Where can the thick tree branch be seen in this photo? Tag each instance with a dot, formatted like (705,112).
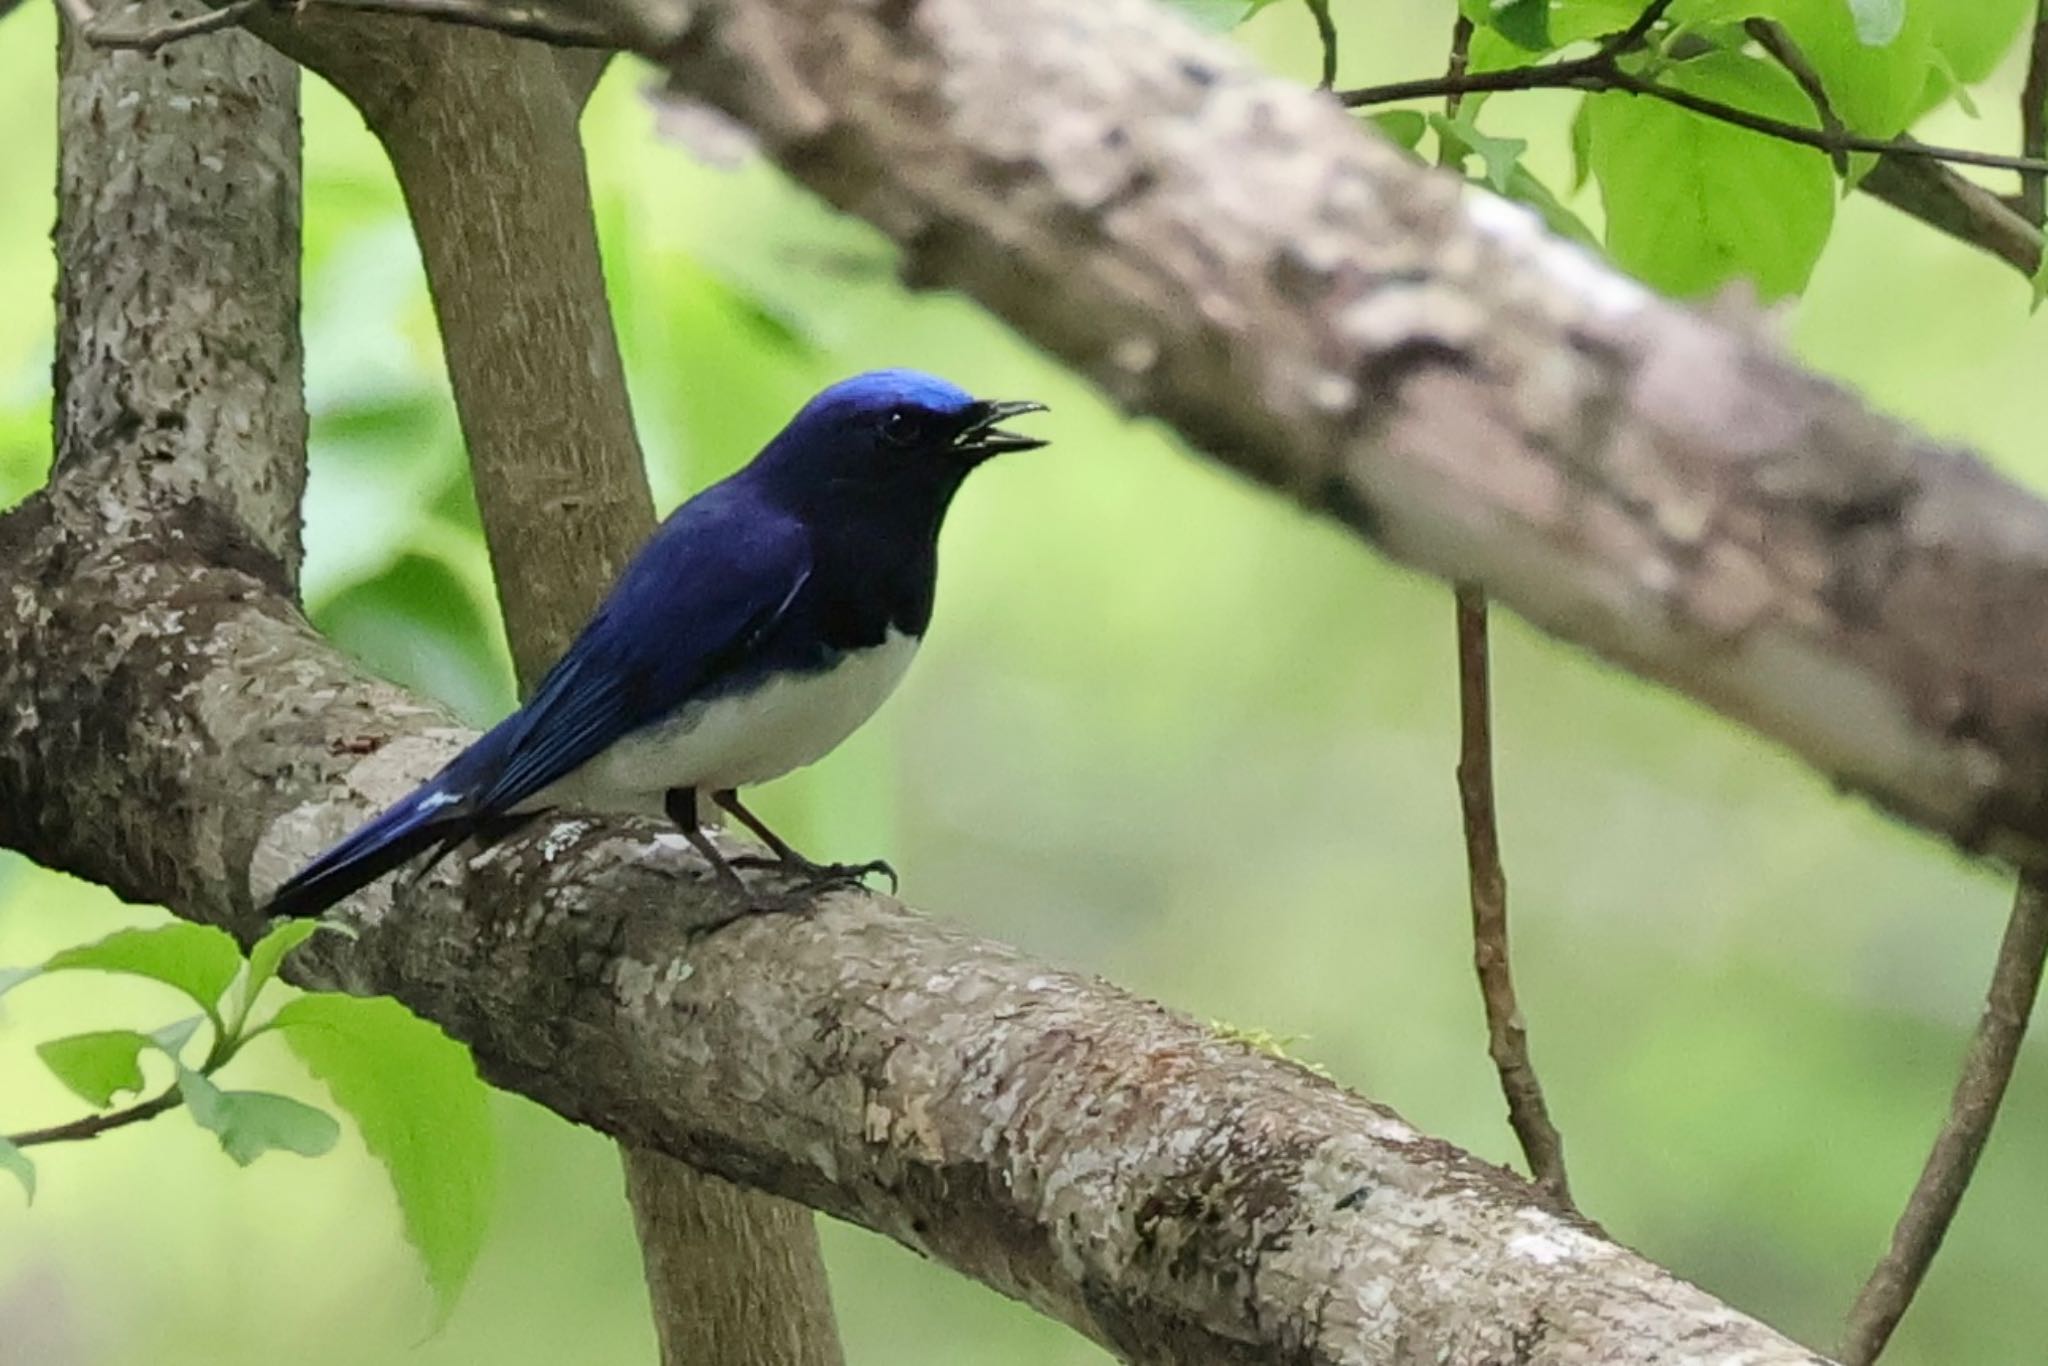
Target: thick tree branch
(1177,1197)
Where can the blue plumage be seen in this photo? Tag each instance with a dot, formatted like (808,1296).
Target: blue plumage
(762,622)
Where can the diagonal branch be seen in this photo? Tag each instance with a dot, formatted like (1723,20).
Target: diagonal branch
(1994,1051)
(1175,1196)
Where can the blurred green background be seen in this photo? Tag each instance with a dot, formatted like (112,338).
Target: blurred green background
(1168,728)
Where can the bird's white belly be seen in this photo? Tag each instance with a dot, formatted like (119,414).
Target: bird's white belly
(745,738)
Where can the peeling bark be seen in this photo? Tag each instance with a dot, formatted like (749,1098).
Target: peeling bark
(185,738)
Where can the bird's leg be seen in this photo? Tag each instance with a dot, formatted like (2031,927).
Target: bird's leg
(789,860)
(681,805)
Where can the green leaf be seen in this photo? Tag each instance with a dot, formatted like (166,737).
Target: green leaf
(14,977)
(1525,188)
(268,956)
(414,1094)
(1499,155)
(1876,90)
(252,1123)
(1404,126)
(1693,202)
(172,1038)
(196,959)
(1573,21)
(15,1160)
(1582,143)
(1973,35)
(97,1065)
(1526,23)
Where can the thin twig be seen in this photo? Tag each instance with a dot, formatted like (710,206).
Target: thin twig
(94,29)
(1507,1037)
(1771,36)
(1987,1067)
(1601,72)
(1460,62)
(2034,120)
(1632,37)
(1326,33)
(92,1126)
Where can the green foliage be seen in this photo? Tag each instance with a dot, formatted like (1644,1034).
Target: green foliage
(15,1161)
(1692,202)
(414,1094)
(1874,88)
(1525,23)
(98,1065)
(252,1123)
(1505,174)
(1972,35)
(196,959)
(268,956)
(1402,126)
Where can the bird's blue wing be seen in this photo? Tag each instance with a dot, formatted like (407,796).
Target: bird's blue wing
(686,612)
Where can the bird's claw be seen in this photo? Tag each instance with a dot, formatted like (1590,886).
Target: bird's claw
(820,876)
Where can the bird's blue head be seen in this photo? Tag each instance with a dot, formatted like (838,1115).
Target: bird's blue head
(897,435)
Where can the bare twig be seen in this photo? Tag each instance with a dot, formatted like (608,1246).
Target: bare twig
(2015,981)
(94,29)
(92,1126)
(2034,120)
(1507,1037)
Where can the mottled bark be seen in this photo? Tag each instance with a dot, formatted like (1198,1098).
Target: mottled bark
(482,133)
(178,272)
(185,738)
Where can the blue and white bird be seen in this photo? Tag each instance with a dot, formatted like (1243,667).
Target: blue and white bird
(762,623)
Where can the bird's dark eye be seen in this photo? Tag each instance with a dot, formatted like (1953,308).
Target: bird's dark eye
(903,426)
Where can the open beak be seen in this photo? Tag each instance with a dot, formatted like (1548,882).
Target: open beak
(982,437)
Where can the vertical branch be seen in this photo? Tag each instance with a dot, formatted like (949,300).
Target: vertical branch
(1507,1036)
(1987,1067)
(2033,203)
(482,132)
(1326,34)
(177,244)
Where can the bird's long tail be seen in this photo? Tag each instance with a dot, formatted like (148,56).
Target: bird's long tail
(428,816)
